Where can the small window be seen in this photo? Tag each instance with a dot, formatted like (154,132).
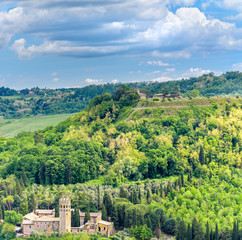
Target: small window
(104,228)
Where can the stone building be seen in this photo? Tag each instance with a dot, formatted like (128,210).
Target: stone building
(142,95)
(45,220)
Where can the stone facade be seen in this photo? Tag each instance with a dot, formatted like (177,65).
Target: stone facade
(44,220)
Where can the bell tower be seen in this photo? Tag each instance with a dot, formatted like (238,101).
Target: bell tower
(65,215)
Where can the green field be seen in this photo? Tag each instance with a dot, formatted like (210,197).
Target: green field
(12,127)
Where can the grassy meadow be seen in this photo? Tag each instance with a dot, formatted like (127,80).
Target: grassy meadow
(12,127)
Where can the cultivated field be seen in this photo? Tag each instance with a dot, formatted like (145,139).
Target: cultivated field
(12,127)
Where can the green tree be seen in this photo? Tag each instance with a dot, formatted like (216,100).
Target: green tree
(207,235)
(197,232)
(194,93)
(181,230)
(13,218)
(23,208)
(104,213)
(108,203)
(87,215)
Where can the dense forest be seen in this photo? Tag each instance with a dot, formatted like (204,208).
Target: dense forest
(149,171)
(29,102)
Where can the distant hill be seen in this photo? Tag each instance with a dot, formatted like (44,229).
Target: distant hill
(30,102)
(175,159)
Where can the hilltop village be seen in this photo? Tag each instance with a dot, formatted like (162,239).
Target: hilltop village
(42,219)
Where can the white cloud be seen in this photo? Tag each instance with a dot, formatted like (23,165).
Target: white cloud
(54,74)
(55,79)
(237,66)
(175,54)
(170,69)
(114,81)
(233,4)
(97,28)
(162,79)
(195,72)
(93,81)
(158,63)
(62,48)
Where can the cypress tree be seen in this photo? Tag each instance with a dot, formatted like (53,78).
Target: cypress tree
(181,230)
(148,222)
(148,196)
(108,203)
(19,189)
(140,195)
(216,232)
(211,234)
(104,213)
(180,182)
(207,235)
(77,217)
(189,232)
(87,215)
(123,193)
(1,214)
(73,220)
(31,202)
(99,205)
(197,232)
(114,217)
(201,155)
(182,179)
(235,232)
(25,178)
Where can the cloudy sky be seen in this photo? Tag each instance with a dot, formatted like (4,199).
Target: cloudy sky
(69,43)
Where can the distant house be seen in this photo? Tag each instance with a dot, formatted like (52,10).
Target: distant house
(158,95)
(161,95)
(142,95)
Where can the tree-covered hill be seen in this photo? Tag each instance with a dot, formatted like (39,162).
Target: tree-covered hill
(29,102)
(149,167)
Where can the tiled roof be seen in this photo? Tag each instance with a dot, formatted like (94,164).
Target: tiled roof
(31,216)
(45,211)
(47,219)
(82,214)
(105,222)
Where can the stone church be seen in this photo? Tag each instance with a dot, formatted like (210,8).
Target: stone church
(45,220)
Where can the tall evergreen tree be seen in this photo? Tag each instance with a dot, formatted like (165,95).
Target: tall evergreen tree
(87,215)
(99,204)
(77,217)
(148,196)
(216,236)
(25,178)
(123,193)
(201,155)
(207,235)
(104,213)
(19,189)
(108,203)
(189,232)
(182,179)
(114,217)
(197,232)
(235,232)
(181,230)
(32,202)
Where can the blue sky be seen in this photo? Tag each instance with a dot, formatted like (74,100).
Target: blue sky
(74,43)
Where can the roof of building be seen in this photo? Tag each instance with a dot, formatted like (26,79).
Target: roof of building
(105,222)
(97,214)
(27,222)
(31,216)
(47,219)
(45,211)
